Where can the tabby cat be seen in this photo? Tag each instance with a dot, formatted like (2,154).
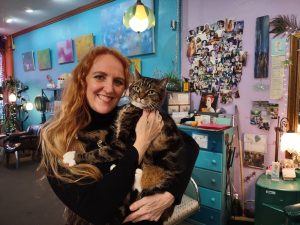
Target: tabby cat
(165,157)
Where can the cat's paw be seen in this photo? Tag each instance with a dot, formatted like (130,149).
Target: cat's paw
(69,158)
(137,180)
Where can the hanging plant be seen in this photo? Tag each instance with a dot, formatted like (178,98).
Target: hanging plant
(284,24)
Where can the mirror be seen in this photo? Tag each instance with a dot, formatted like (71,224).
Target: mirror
(293,109)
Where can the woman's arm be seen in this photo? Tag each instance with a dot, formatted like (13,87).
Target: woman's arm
(152,207)
(97,202)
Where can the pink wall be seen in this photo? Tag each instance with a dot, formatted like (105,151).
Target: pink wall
(195,13)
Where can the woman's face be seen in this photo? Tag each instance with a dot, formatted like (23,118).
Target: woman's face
(208,102)
(105,83)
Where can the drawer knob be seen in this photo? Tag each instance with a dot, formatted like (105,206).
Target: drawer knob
(212,199)
(213,181)
(213,161)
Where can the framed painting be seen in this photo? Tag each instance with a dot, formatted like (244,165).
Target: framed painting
(125,40)
(28,61)
(83,44)
(44,60)
(65,51)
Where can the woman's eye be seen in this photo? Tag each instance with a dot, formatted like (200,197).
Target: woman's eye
(99,77)
(119,82)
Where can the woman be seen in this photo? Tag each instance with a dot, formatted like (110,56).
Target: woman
(89,107)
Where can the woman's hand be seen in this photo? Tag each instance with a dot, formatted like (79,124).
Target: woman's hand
(147,129)
(150,207)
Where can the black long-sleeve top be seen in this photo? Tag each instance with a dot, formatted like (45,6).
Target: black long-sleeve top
(98,202)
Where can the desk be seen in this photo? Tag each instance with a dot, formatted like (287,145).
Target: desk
(271,197)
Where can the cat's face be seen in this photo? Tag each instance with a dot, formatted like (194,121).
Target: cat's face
(147,93)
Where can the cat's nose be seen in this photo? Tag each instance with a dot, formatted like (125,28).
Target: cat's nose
(142,95)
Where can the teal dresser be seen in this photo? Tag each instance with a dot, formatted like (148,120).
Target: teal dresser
(210,173)
(271,197)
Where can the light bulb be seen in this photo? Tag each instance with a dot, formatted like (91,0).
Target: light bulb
(29,106)
(12,97)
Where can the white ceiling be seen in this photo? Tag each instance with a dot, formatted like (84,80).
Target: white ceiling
(43,11)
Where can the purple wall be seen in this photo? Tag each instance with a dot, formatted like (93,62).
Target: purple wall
(194,13)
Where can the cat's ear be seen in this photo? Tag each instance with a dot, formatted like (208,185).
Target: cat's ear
(136,75)
(163,83)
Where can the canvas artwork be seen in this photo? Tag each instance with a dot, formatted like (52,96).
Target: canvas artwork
(136,64)
(261,47)
(28,61)
(254,150)
(44,60)
(208,103)
(216,56)
(125,40)
(83,44)
(65,51)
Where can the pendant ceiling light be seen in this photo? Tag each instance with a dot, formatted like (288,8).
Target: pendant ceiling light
(139,17)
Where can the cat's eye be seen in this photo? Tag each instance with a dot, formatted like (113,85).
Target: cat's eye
(136,88)
(151,92)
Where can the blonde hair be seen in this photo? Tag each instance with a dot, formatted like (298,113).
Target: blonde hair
(59,133)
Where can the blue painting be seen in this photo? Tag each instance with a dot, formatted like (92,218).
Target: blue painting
(262,47)
(116,35)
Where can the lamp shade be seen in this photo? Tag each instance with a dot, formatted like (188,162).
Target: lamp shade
(139,17)
(290,142)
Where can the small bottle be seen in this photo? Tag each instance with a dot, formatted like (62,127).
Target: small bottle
(185,85)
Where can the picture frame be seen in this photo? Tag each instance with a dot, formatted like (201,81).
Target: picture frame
(65,51)
(44,59)
(208,103)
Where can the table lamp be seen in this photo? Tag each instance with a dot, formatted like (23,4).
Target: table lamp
(290,142)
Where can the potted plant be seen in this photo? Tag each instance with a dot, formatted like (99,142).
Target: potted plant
(174,82)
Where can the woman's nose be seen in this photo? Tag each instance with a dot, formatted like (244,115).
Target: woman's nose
(108,86)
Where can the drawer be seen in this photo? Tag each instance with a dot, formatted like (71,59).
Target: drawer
(276,198)
(207,140)
(207,216)
(210,198)
(208,179)
(209,160)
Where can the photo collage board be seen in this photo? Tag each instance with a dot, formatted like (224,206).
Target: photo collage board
(216,57)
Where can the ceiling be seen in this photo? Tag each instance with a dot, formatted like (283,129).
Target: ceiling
(43,11)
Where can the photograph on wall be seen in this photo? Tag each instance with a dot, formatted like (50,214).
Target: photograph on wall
(65,51)
(216,56)
(83,44)
(44,59)
(278,46)
(254,150)
(116,35)
(28,61)
(208,103)
(273,109)
(261,47)
(260,115)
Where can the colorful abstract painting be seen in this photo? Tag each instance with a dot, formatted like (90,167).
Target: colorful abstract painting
(262,47)
(28,61)
(125,40)
(83,44)
(65,51)
(44,60)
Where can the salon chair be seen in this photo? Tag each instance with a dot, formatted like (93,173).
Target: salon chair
(292,213)
(189,205)
(22,141)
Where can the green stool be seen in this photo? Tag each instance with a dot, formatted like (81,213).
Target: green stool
(292,213)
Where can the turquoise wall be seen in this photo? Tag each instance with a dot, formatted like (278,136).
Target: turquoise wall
(85,23)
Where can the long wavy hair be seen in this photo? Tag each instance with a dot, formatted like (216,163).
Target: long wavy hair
(58,133)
